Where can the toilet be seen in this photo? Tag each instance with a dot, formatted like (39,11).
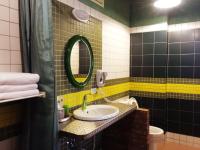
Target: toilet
(156,135)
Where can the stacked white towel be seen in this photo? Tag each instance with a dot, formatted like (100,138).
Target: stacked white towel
(16,85)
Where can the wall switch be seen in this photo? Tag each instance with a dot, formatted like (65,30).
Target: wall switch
(60,100)
(93,90)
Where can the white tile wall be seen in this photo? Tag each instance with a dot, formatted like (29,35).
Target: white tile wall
(115,49)
(115,42)
(184,26)
(149,28)
(10,57)
(4,2)
(165,26)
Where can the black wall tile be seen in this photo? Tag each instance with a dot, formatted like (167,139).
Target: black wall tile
(197,72)
(186,117)
(161,36)
(136,50)
(148,60)
(161,48)
(148,37)
(196,106)
(196,130)
(174,48)
(160,60)
(148,49)
(159,104)
(146,102)
(187,47)
(174,126)
(187,35)
(173,104)
(187,60)
(187,72)
(174,72)
(160,72)
(197,118)
(186,128)
(136,60)
(197,59)
(197,35)
(136,71)
(174,115)
(197,47)
(159,115)
(174,60)
(136,38)
(187,105)
(174,37)
(147,72)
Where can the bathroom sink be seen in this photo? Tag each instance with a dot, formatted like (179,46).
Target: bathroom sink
(96,112)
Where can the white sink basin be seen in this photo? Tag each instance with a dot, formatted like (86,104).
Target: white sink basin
(96,112)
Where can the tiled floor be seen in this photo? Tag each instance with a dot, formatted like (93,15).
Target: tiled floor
(174,146)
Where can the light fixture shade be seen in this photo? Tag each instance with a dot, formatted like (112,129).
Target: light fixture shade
(81,15)
(167,3)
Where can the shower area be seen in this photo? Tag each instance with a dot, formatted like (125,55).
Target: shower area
(165,72)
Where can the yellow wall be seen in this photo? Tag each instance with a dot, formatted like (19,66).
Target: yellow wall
(74,99)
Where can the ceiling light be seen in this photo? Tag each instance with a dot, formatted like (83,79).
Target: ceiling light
(167,3)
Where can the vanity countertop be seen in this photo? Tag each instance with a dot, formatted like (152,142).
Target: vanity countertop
(86,129)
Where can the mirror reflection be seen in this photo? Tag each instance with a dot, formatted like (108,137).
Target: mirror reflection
(80,61)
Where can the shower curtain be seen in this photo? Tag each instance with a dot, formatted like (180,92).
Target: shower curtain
(36,29)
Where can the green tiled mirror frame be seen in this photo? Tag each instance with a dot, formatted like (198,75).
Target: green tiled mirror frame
(67,60)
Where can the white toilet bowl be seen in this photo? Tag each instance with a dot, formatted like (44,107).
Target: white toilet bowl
(156,135)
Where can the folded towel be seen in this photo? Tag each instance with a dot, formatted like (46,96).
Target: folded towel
(129,101)
(11,78)
(17,88)
(12,95)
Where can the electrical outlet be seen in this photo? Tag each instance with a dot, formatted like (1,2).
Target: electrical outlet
(60,100)
(93,90)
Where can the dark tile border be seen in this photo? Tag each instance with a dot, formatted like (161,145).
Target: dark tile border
(166,95)
(165,80)
(148,94)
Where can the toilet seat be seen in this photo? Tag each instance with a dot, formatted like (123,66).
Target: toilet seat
(156,135)
(155,130)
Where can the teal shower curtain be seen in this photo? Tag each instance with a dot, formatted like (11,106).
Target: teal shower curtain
(36,29)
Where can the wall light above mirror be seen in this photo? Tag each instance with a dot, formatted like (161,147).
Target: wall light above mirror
(81,15)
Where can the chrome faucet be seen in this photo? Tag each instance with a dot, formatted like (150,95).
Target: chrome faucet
(84,103)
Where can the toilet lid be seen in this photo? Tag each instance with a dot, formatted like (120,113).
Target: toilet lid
(155,130)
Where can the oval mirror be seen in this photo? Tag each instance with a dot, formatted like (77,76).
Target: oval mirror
(78,61)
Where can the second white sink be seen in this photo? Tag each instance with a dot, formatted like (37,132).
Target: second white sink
(96,112)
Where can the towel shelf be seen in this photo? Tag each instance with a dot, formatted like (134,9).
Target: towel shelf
(42,95)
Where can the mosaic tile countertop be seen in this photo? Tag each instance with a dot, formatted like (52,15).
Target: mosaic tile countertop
(86,129)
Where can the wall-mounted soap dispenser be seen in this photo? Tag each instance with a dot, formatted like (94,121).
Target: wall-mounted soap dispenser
(101,81)
(101,78)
